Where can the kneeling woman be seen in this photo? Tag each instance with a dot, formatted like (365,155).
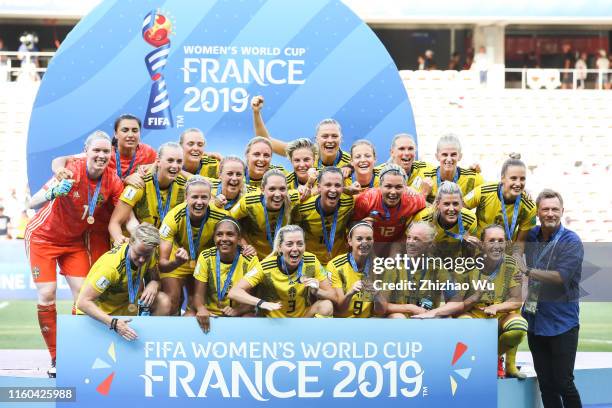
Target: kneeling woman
(356,296)
(502,301)
(218,269)
(291,282)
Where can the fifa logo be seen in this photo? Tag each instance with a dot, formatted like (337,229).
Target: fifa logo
(155,30)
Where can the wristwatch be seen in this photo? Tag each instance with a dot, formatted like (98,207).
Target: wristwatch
(528,272)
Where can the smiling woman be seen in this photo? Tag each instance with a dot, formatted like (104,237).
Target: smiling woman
(291,281)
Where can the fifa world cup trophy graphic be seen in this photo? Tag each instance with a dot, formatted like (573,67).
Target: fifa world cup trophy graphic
(155,30)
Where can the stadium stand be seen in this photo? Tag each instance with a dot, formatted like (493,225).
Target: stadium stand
(563,136)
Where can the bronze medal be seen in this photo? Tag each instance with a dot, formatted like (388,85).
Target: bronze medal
(192,263)
(132,308)
(90,219)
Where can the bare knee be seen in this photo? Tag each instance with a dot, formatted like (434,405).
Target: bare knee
(162,305)
(396,316)
(46,293)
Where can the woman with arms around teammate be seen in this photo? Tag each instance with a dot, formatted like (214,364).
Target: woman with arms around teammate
(56,235)
(164,189)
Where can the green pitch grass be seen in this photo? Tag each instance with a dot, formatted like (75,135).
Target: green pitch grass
(19,326)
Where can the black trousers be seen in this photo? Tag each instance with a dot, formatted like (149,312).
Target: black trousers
(553,359)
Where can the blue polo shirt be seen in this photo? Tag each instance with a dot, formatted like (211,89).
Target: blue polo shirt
(558,306)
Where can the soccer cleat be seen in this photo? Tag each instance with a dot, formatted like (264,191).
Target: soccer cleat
(51,372)
(501,373)
(514,372)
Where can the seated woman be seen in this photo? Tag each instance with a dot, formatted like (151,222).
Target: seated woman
(499,297)
(422,298)
(218,269)
(290,282)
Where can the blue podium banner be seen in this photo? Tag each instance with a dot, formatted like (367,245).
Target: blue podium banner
(178,64)
(280,362)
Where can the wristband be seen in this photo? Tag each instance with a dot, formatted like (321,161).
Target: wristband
(113,324)
(258,305)
(528,272)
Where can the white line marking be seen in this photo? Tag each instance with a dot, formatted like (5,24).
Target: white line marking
(597,341)
(3,305)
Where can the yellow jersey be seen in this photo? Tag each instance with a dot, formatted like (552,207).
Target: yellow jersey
(144,200)
(216,190)
(374,181)
(362,302)
(415,172)
(426,288)
(257,183)
(174,230)
(206,272)
(250,212)
(108,277)
(307,215)
(208,167)
(293,182)
(503,281)
(447,242)
(342,159)
(273,285)
(466,179)
(485,199)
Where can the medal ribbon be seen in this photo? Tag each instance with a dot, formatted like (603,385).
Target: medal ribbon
(458,236)
(92,200)
(366,267)
(439,179)
(194,246)
(517,203)
(132,292)
(286,272)
(328,239)
(336,160)
(230,203)
(279,221)
(548,248)
(222,292)
(371,180)
(161,208)
(118,164)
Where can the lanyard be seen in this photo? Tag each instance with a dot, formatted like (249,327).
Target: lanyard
(279,221)
(230,203)
(336,160)
(228,279)
(517,203)
(455,177)
(492,276)
(458,236)
(132,291)
(194,245)
(286,272)
(92,200)
(371,180)
(161,208)
(366,267)
(331,237)
(118,164)
(548,248)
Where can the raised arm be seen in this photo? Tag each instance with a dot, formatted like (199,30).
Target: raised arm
(278,146)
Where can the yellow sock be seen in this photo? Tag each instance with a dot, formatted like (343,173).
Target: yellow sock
(320,316)
(514,332)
